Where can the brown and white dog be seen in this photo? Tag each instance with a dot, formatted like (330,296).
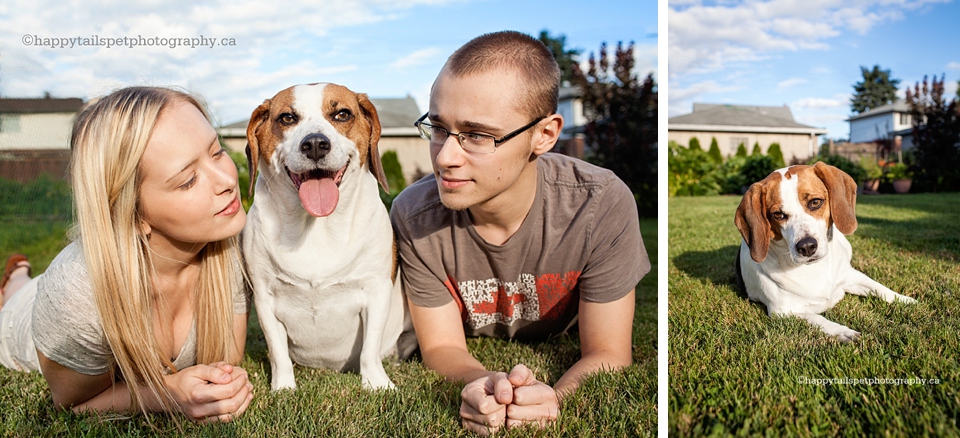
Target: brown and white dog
(794,257)
(318,243)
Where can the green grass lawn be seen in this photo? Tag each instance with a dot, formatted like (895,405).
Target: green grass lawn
(331,404)
(734,370)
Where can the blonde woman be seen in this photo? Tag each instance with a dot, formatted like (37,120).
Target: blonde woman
(146,309)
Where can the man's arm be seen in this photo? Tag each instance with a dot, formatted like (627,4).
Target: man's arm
(606,332)
(443,346)
(443,343)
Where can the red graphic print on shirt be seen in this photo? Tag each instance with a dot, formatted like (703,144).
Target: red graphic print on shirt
(484,302)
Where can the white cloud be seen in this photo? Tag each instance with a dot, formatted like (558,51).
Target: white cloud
(275,47)
(819,103)
(416,58)
(645,60)
(953,66)
(789,83)
(706,38)
(682,98)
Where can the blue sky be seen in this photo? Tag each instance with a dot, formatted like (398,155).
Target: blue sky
(805,53)
(385,48)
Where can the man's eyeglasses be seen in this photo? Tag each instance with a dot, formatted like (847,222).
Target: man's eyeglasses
(469,141)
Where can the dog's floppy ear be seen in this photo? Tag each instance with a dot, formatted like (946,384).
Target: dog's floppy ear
(842,190)
(751,220)
(258,117)
(376,167)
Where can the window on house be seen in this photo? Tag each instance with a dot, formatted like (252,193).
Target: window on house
(9,123)
(904,119)
(735,142)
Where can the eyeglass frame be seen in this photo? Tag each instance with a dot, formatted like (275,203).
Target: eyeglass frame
(496,142)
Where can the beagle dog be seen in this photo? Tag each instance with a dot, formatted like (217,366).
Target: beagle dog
(318,243)
(794,257)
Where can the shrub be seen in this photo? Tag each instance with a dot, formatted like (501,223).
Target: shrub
(243,178)
(714,151)
(692,173)
(695,144)
(871,170)
(756,168)
(741,151)
(394,174)
(731,179)
(756,152)
(777,155)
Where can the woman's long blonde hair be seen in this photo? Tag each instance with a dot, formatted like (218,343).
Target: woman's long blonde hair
(109,138)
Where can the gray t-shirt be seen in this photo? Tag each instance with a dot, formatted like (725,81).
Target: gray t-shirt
(65,324)
(580,240)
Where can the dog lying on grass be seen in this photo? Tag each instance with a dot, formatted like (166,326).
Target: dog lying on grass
(794,257)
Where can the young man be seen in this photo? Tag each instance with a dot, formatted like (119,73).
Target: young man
(505,241)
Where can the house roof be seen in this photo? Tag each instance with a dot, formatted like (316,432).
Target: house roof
(393,113)
(896,107)
(41,105)
(752,118)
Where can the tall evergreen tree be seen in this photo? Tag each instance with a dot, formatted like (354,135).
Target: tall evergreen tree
(566,58)
(875,90)
(695,144)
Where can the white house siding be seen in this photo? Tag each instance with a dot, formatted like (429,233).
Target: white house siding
(572,112)
(36,131)
(793,146)
(412,152)
(875,127)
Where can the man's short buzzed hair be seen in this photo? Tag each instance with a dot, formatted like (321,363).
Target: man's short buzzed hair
(510,50)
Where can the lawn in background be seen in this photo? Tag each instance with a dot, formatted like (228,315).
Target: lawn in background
(734,370)
(332,404)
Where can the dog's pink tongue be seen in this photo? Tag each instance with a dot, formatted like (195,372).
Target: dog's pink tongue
(319,196)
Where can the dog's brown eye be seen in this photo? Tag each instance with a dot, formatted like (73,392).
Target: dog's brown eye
(778,215)
(343,115)
(287,119)
(815,204)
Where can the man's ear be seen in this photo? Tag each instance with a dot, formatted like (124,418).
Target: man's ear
(549,130)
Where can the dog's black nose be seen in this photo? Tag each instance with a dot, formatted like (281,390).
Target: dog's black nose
(807,246)
(315,146)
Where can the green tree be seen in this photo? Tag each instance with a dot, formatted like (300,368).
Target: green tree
(935,141)
(621,132)
(566,58)
(741,151)
(695,144)
(777,155)
(876,89)
(714,151)
(394,173)
(756,152)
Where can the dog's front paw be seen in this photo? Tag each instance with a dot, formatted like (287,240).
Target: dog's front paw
(846,334)
(283,382)
(904,299)
(378,382)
